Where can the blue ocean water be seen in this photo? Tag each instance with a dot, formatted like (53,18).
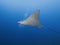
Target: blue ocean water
(11,33)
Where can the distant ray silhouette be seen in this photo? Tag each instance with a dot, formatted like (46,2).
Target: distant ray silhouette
(32,20)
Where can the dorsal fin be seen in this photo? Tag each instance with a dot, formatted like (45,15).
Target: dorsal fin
(32,20)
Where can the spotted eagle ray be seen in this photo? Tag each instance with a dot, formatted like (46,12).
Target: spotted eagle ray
(33,20)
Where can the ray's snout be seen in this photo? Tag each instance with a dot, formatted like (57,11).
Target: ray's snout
(20,22)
